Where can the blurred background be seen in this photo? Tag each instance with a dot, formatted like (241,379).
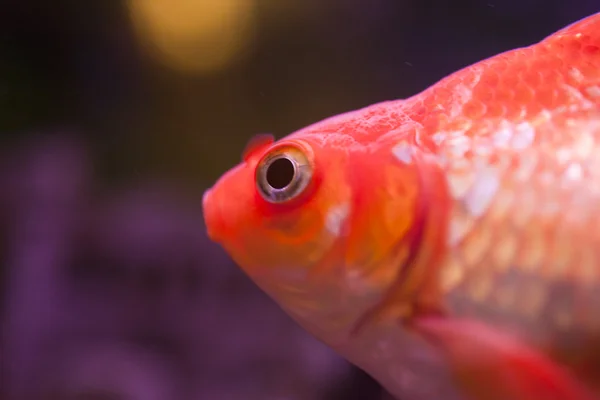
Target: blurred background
(116,115)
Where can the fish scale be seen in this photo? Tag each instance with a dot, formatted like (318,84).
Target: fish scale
(448,243)
(515,266)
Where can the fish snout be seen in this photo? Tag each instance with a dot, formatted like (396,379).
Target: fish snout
(212,215)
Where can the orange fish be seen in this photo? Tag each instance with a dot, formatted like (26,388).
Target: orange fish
(449,243)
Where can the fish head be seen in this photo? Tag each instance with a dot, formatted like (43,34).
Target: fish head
(318,221)
(282,209)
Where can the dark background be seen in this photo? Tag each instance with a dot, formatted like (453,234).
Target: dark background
(116,115)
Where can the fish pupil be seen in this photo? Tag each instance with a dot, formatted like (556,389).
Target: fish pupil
(280,173)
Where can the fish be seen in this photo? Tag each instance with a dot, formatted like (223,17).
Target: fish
(447,243)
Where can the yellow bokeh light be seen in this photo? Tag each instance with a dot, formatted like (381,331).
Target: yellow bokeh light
(200,36)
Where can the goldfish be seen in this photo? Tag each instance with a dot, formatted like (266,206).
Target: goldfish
(448,243)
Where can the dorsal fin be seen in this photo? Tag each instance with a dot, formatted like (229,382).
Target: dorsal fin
(257,143)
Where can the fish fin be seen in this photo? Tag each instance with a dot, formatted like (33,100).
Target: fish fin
(257,143)
(491,365)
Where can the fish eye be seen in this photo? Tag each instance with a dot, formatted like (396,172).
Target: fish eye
(283,174)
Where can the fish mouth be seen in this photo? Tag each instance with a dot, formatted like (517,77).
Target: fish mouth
(212,216)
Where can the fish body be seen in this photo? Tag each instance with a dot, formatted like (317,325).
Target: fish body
(448,243)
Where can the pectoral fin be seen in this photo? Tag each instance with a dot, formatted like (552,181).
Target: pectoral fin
(491,365)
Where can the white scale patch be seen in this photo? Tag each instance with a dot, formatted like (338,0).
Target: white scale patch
(593,91)
(502,137)
(580,102)
(523,136)
(461,96)
(576,74)
(574,172)
(518,137)
(476,185)
(403,152)
(458,146)
(480,195)
(336,217)
(584,146)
